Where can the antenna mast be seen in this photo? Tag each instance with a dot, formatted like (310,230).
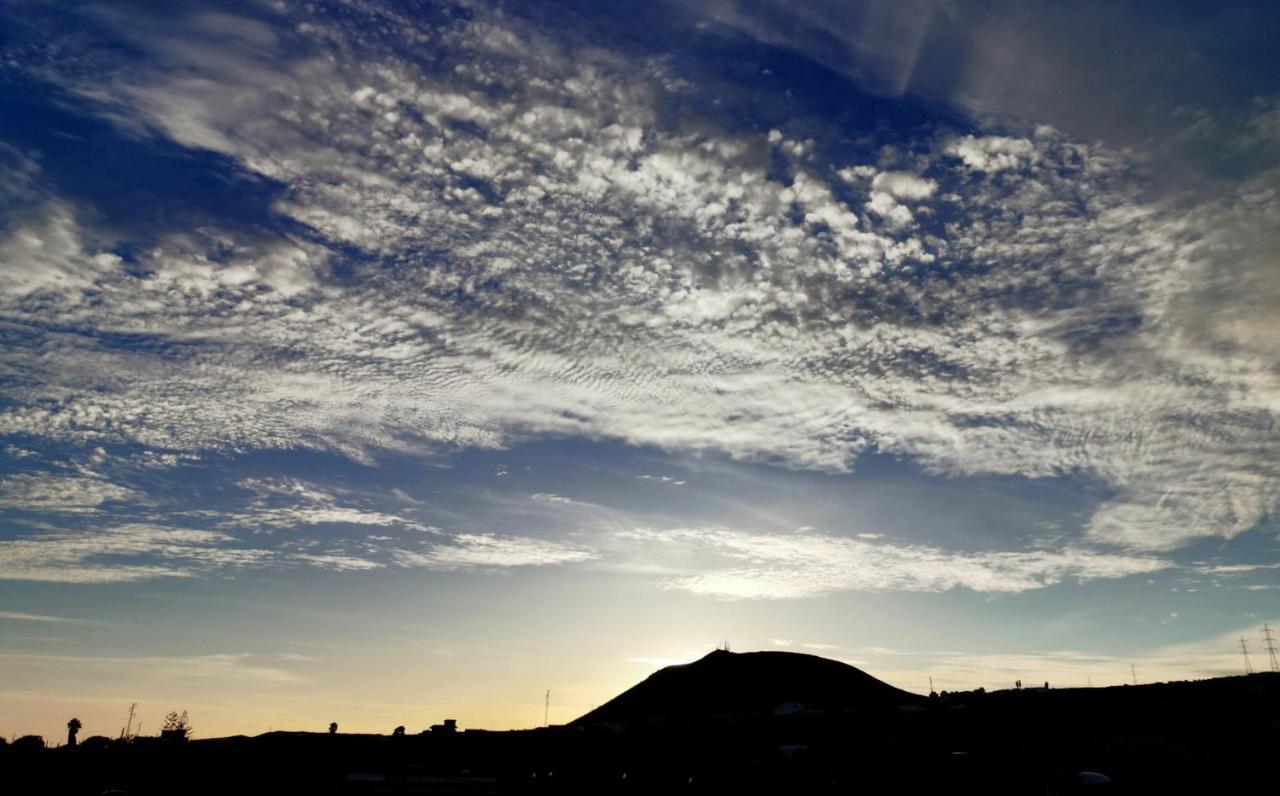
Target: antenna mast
(1244,650)
(546,710)
(128,725)
(1271,646)
(1133,672)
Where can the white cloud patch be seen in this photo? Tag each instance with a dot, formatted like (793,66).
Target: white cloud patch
(993,152)
(762,566)
(120,554)
(904,185)
(490,551)
(75,494)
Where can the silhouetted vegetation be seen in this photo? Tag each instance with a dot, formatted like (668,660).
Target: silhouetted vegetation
(797,724)
(176,727)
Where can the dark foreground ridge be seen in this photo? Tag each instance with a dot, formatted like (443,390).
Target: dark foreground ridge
(750,722)
(734,685)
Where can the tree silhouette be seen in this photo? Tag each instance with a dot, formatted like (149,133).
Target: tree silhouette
(73,727)
(333,728)
(176,726)
(398,730)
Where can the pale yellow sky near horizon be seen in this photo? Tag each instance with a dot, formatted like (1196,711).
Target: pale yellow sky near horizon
(230,695)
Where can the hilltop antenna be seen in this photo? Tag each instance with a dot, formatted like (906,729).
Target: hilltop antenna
(1133,672)
(1244,650)
(128,725)
(1271,646)
(930,684)
(546,710)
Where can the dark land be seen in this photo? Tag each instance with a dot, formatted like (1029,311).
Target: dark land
(750,722)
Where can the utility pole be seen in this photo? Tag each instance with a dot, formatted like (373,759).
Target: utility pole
(1244,650)
(1271,646)
(546,710)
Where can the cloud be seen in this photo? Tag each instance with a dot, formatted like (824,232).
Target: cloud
(121,554)
(284,503)
(486,551)
(63,620)
(812,564)
(72,494)
(549,497)
(992,153)
(239,666)
(535,244)
(904,185)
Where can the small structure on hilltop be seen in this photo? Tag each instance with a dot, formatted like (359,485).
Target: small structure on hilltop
(450,725)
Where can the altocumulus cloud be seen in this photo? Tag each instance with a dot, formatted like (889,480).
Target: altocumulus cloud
(533,241)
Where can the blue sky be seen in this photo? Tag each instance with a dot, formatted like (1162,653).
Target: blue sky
(380,362)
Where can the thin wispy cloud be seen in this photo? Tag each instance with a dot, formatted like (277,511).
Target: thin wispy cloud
(19,616)
(489,551)
(809,564)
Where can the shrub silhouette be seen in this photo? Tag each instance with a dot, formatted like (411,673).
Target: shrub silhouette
(176,726)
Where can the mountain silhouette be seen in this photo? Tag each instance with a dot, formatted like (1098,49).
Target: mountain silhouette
(727,684)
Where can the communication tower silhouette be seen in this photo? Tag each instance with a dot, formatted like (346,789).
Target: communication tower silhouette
(1244,650)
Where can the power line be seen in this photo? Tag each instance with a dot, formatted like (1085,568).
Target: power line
(1271,646)
(1244,650)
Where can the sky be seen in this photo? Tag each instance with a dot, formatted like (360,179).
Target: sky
(386,362)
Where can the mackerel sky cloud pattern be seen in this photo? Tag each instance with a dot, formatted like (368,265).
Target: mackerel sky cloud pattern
(414,234)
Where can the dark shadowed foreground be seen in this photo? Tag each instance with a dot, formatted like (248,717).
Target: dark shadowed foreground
(754,722)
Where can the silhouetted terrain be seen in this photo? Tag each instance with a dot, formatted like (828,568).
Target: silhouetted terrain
(776,722)
(748,684)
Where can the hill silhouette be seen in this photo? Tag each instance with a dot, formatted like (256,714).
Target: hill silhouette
(725,684)
(746,722)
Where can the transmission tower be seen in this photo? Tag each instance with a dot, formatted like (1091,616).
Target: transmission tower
(546,710)
(1133,671)
(1244,650)
(1271,646)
